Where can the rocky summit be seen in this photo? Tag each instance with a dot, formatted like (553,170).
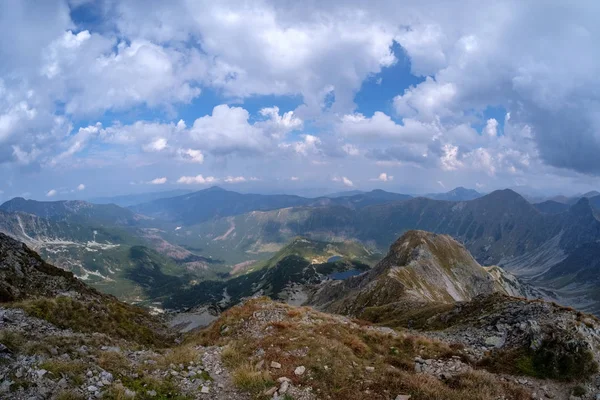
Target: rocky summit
(427,322)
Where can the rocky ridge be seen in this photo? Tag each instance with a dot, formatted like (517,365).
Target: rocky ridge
(420,267)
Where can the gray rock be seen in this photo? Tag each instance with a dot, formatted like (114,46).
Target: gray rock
(275,365)
(299,371)
(284,387)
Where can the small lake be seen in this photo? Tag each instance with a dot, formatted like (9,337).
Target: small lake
(340,276)
(334,258)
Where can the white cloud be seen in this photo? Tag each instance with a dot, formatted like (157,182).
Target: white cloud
(81,187)
(198,179)
(158,144)
(427,101)
(294,178)
(234,179)
(51,193)
(381,125)
(265,48)
(158,181)
(93,73)
(491,127)
(191,155)
(384,177)
(350,149)
(344,180)
(228,131)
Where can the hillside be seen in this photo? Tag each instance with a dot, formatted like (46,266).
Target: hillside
(74,211)
(283,277)
(420,267)
(112,259)
(63,340)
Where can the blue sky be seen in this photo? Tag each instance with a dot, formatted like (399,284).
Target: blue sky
(113,97)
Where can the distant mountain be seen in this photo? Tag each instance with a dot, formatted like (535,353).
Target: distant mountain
(551,207)
(75,211)
(457,194)
(361,200)
(216,202)
(133,199)
(344,194)
(212,203)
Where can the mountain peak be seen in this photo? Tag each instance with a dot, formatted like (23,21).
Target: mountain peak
(421,267)
(582,208)
(505,195)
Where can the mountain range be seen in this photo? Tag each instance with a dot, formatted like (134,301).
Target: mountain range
(208,234)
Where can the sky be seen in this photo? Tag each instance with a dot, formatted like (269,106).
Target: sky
(113,97)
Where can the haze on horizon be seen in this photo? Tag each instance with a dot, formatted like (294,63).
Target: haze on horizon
(114,97)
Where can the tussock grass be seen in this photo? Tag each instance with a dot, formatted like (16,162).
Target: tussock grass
(247,378)
(70,369)
(113,362)
(178,355)
(12,340)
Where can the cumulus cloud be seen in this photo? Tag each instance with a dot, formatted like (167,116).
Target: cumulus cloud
(158,181)
(81,187)
(158,144)
(51,193)
(191,155)
(384,177)
(197,180)
(344,180)
(234,179)
(381,125)
(471,62)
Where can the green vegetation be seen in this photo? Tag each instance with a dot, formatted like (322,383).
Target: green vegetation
(564,361)
(302,261)
(72,370)
(110,317)
(12,340)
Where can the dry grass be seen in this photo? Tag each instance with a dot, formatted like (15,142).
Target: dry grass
(178,355)
(247,378)
(336,354)
(114,362)
(69,395)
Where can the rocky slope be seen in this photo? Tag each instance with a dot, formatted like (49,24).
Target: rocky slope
(420,267)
